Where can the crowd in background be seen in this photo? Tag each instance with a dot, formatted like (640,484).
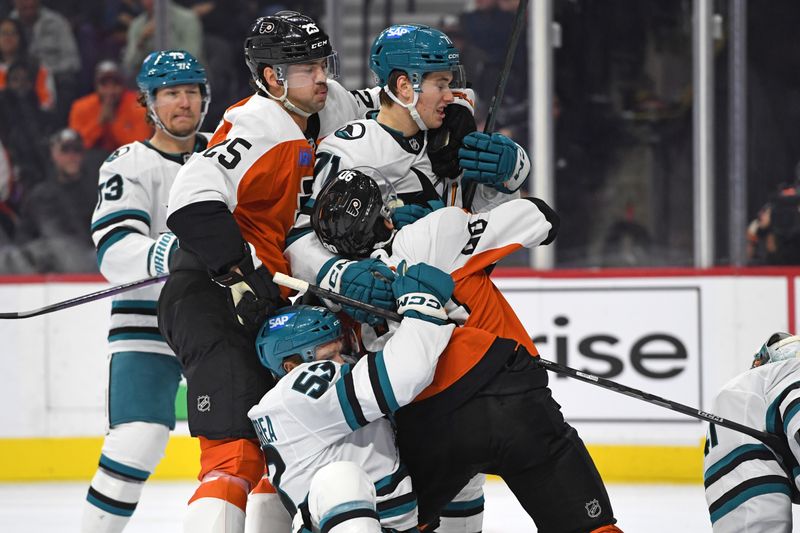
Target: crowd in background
(622,117)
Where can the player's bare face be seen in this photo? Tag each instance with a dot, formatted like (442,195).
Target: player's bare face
(178,107)
(308,85)
(435,96)
(331,351)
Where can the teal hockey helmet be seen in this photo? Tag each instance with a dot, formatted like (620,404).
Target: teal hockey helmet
(170,67)
(779,347)
(416,50)
(167,68)
(298,330)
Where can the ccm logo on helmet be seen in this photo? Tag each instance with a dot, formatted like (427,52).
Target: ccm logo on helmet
(317,45)
(279,321)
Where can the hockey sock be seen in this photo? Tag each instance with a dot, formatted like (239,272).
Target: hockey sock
(130,453)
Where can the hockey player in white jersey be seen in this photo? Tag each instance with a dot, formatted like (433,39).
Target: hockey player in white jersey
(747,489)
(130,232)
(419,70)
(557,482)
(324,428)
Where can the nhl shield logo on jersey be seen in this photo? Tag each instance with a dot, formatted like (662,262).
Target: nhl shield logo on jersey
(414,144)
(204,403)
(593,508)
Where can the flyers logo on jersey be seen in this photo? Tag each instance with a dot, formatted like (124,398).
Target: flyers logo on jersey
(266,27)
(279,321)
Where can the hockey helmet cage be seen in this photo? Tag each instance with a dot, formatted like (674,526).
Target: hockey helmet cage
(285,38)
(350,215)
(416,50)
(779,347)
(300,330)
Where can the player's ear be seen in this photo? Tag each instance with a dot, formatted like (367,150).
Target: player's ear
(270,78)
(405,91)
(289,365)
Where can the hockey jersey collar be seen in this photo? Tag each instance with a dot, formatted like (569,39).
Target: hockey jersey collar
(200,144)
(413,145)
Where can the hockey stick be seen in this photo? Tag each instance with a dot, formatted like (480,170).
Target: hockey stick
(91,297)
(774,442)
(491,117)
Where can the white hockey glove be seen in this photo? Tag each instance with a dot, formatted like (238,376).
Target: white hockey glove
(422,291)
(494,160)
(368,281)
(160,253)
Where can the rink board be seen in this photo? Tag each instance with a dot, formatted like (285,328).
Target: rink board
(680,334)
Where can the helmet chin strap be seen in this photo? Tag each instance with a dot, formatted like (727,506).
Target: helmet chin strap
(411,107)
(284,100)
(160,125)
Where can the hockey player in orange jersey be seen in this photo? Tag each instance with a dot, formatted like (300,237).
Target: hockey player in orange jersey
(489,408)
(231,207)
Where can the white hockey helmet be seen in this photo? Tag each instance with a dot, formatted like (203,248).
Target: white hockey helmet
(779,347)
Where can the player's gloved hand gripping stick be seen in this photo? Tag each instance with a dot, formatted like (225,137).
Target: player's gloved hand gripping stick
(774,442)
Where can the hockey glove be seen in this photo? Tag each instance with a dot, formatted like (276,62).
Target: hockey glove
(445,141)
(421,292)
(410,213)
(253,294)
(161,253)
(368,281)
(494,160)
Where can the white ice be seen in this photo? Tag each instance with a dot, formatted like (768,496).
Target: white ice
(56,508)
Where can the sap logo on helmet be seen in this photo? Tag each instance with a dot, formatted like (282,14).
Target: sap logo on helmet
(319,44)
(311,28)
(266,27)
(277,322)
(354,208)
(398,31)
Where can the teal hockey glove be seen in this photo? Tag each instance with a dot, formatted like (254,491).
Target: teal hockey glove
(410,213)
(421,292)
(368,280)
(494,160)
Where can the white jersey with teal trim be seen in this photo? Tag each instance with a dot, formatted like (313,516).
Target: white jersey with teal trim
(746,488)
(323,412)
(131,213)
(403,161)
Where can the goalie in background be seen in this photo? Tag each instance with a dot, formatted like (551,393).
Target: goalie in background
(747,489)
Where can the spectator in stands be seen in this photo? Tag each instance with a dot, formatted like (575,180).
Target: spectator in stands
(55,214)
(110,116)
(8,218)
(773,237)
(185,33)
(23,124)
(13,48)
(51,41)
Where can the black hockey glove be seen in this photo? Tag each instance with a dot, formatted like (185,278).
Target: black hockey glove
(253,294)
(444,141)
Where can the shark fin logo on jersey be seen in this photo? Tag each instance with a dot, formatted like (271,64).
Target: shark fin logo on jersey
(119,152)
(351,131)
(278,322)
(354,208)
(593,508)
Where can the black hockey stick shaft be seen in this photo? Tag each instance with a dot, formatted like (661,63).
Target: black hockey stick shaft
(302,286)
(499,91)
(773,441)
(86,298)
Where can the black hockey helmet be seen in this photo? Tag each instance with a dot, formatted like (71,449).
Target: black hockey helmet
(282,39)
(350,214)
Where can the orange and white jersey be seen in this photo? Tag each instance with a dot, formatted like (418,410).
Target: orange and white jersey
(259,164)
(464,245)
